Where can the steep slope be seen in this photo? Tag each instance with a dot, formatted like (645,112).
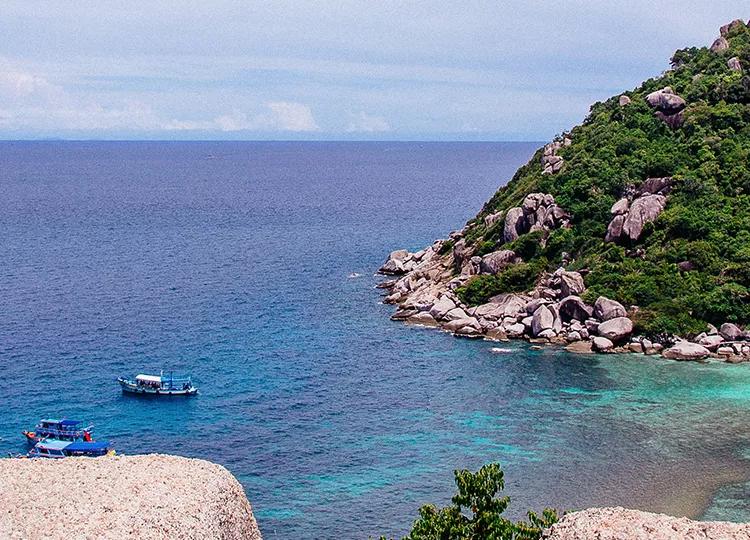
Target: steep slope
(642,211)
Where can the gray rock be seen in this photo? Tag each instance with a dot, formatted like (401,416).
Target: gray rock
(624,100)
(734,64)
(543,319)
(455,314)
(515,224)
(574,336)
(490,220)
(602,344)
(728,28)
(532,201)
(684,350)
(655,186)
(579,347)
(511,304)
(731,332)
(442,307)
(620,207)
(616,329)
(394,265)
(721,44)
(515,330)
(623,524)
(614,229)
(643,210)
(711,342)
(422,318)
(571,283)
(468,331)
(548,334)
(666,101)
(606,309)
(532,306)
(456,324)
(572,307)
(493,262)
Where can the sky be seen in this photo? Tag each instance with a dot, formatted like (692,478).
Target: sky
(334,70)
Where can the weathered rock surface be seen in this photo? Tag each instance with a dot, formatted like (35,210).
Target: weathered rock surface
(721,44)
(150,496)
(624,100)
(731,332)
(616,329)
(602,344)
(537,212)
(728,28)
(606,309)
(684,350)
(734,64)
(623,524)
(571,283)
(493,262)
(643,210)
(666,101)
(543,319)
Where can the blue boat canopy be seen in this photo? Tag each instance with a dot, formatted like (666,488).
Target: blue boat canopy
(81,446)
(70,422)
(54,445)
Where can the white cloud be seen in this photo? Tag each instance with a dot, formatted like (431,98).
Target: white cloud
(292,116)
(30,102)
(364,123)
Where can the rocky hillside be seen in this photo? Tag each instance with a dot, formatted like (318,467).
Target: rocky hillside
(629,230)
(151,496)
(620,524)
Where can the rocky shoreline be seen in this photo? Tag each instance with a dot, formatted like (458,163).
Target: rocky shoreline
(423,286)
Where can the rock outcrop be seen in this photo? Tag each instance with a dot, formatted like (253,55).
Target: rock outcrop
(685,350)
(551,162)
(629,217)
(149,496)
(623,524)
(668,106)
(539,212)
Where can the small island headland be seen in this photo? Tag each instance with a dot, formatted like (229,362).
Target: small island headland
(629,233)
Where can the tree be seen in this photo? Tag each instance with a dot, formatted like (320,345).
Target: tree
(476,512)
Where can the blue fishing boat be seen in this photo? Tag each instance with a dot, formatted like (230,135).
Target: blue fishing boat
(63,430)
(56,449)
(158,385)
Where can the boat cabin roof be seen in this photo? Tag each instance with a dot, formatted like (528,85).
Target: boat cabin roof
(80,446)
(63,422)
(53,445)
(148,378)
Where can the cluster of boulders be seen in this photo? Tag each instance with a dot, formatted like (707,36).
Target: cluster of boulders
(551,162)
(631,213)
(553,312)
(538,212)
(668,105)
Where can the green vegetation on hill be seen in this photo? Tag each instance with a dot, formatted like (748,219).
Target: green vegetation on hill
(689,267)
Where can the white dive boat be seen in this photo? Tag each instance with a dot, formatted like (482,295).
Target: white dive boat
(158,385)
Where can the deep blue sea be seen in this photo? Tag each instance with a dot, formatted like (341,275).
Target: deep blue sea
(234,262)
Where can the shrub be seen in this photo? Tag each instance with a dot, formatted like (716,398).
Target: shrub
(476,512)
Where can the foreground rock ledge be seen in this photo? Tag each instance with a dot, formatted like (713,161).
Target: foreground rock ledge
(621,524)
(143,497)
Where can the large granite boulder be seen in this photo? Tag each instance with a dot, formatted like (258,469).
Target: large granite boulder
(441,308)
(606,309)
(734,64)
(666,101)
(731,332)
(655,186)
(395,264)
(514,224)
(616,329)
(572,307)
(493,262)
(623,524)
(643,210)
(571,283)
(151,496)
(602,344)
(685,350)
(719,45)
(543,319)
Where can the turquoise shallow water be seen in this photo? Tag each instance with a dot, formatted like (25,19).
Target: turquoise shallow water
(232,261)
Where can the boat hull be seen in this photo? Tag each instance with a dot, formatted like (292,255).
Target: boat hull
(131,388)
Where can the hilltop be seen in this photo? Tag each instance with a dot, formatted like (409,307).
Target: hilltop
(631,230)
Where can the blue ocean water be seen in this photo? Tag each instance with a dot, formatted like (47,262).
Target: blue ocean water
(235,261)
